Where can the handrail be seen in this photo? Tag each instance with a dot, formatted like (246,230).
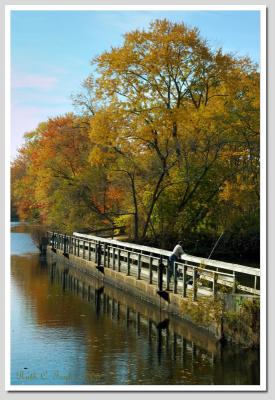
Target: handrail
(144,259)
(185,257)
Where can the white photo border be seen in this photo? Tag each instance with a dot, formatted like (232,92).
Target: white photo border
(263,176)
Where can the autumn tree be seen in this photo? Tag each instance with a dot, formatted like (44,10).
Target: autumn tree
(166,142)
(53,179)
(175,113)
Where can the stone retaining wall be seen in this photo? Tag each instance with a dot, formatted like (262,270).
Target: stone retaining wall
(203,318)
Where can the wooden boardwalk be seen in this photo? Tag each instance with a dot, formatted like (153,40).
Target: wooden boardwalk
(209,277)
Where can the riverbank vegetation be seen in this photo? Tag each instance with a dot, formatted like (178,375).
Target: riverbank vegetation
(164,141)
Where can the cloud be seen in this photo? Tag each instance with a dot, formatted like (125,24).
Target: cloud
(33,81)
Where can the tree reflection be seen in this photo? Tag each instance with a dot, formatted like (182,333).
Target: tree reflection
(126,341)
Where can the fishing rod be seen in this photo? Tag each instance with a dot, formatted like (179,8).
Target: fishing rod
(215,245)
(190,280)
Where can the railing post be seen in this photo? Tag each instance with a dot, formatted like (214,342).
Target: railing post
(89,251)
(160,275)
(95,258)
(150,270)
(53,241)
(118,260)
(114,258)
(139,266)
(234,289)
(168,275)
(215,280)
(95,250)
(99,254)
(128,263)
(184,280)
(83,248)
(175,277)
(78,247)
(108,256)
(104,254)
(194,297)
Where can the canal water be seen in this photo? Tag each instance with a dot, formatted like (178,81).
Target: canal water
(68,329)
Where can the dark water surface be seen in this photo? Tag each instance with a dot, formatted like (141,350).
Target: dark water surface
(68,329)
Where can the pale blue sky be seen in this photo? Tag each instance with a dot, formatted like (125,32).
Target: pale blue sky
(51,52)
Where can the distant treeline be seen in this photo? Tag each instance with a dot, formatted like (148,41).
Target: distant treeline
(164,141)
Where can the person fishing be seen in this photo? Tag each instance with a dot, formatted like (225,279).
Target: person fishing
(175,256)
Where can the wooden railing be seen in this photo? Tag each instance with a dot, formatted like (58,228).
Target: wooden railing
(208,276)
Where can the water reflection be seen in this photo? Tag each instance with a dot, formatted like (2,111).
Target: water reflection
(191,356)
(77,331)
